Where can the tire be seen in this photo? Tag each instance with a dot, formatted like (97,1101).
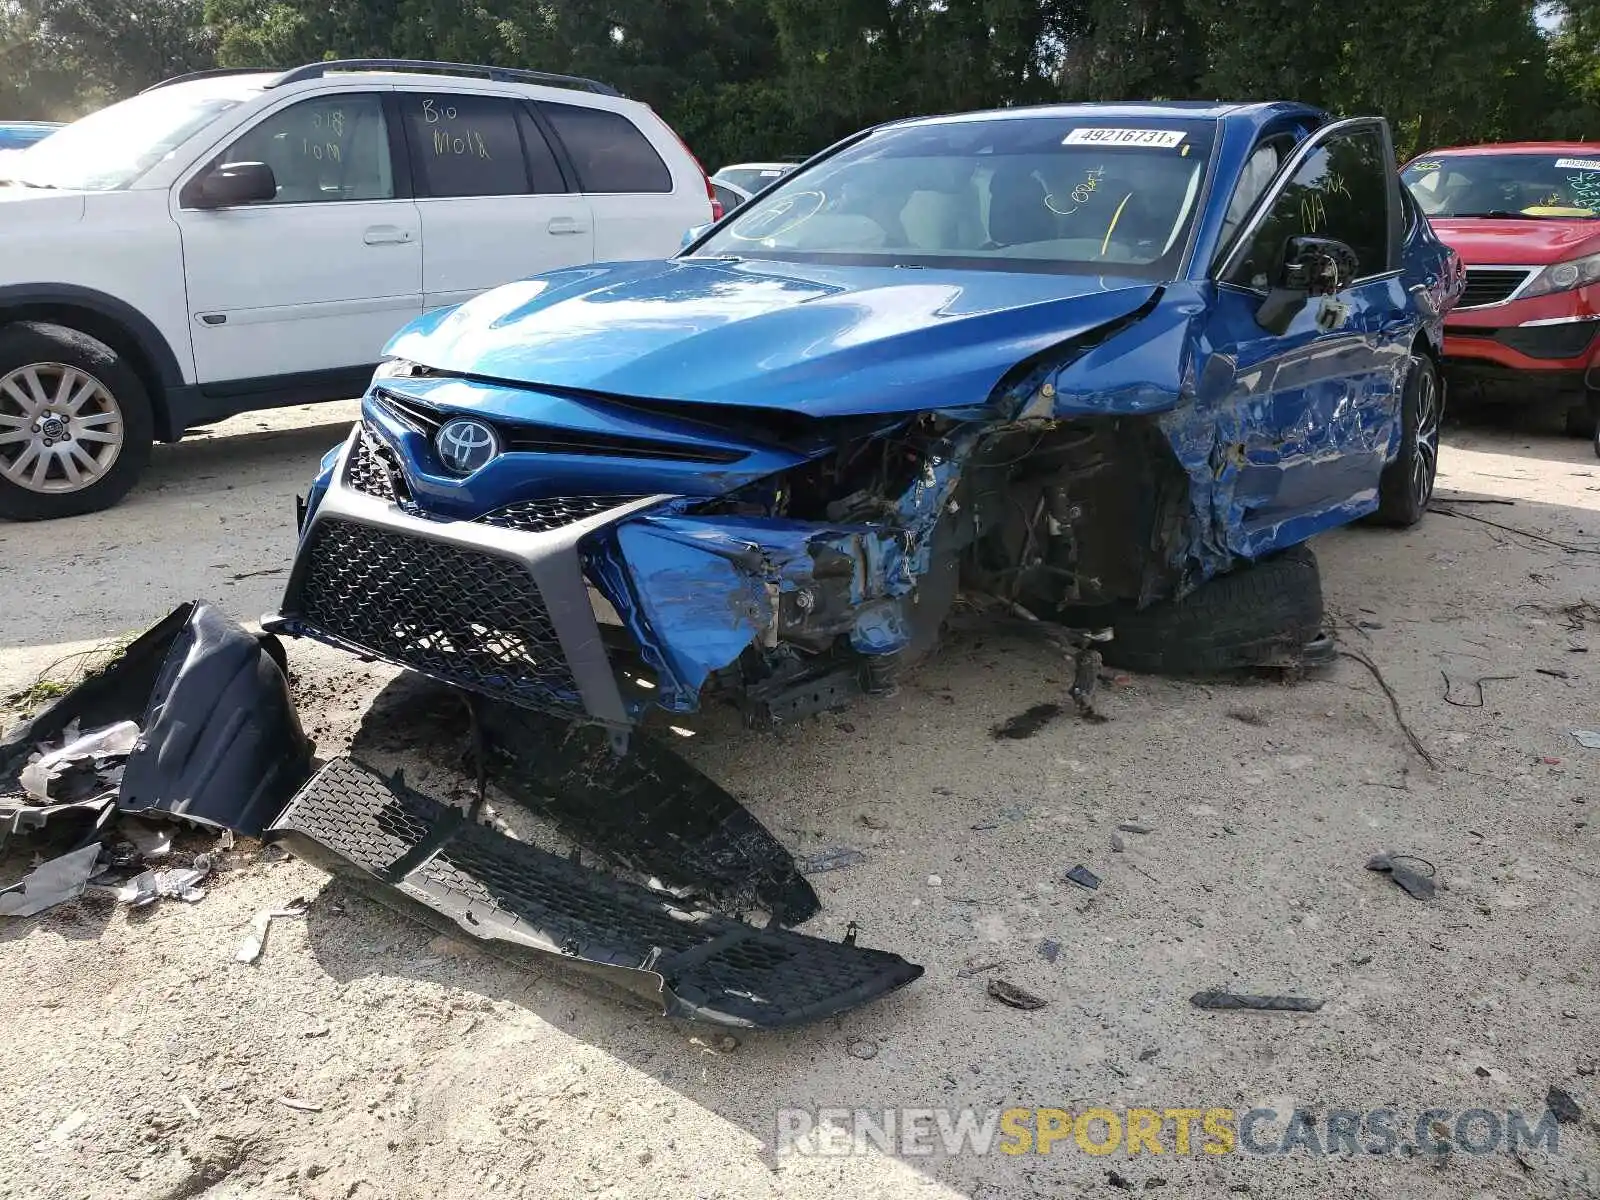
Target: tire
(90,395)
(1406,485)
(1259,613)
(1580,420)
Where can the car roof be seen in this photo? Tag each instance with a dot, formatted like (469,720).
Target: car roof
(1255,113)
(757,166)
(1513,147)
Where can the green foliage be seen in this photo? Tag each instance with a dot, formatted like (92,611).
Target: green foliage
(757,78)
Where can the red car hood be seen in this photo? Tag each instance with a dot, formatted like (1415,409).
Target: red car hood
(1486,240)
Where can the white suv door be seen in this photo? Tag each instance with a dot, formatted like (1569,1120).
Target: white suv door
(320,277)
(494,204)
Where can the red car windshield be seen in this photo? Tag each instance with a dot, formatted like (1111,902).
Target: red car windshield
(1552,185)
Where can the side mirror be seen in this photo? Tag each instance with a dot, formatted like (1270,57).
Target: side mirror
(1311,266)
(233,184)
(692,235)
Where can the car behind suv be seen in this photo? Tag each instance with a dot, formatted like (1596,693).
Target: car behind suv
(245,239)
(1525,218)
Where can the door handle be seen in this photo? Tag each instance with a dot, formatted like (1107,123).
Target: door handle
(563,226)
(386,235)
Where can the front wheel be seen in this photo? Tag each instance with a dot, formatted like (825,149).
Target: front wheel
(1406,484)
(75,423)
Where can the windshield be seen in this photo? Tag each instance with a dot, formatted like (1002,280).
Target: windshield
(111,148)
(1548,185)
(1005,194)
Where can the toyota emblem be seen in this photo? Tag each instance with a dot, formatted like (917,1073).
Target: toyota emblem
(465,445)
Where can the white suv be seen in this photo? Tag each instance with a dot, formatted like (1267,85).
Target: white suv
(241,240)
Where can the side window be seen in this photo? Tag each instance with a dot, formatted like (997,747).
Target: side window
(1340,191)
(464,145)
(1259,169)
(607,150)
(329,148)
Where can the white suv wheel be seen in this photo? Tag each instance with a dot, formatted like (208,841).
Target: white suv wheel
(61,429)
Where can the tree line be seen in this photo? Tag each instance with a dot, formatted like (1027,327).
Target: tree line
(743,79)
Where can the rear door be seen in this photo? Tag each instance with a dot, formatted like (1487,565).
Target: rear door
(494,204)
(1314,408)
(642,205)
(320,277)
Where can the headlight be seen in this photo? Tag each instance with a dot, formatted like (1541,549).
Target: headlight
(398,368)
(1564,276)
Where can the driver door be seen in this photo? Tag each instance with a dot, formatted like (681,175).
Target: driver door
(1310,412)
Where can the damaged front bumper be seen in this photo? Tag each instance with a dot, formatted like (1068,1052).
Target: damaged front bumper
(434,864)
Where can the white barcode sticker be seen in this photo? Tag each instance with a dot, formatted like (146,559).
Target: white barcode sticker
(1162,139)
(1578,164)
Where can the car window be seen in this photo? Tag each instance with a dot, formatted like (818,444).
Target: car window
(607,150)
(1550,184)
(751,179)
(1259,169)
(464,145)
(1340,191)
(326,149)
(726,196)
(1047,193)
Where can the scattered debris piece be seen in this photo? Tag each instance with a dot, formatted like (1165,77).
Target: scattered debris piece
(1248,716)
(1148,1054)
(75,769)
(727,1042)
(301,1105)
(1012,996)
(977,966)
(1118,1180)
(1587,738)
(1134,827)
(1402,868)
(862,1048)
(1394,704)
(1117,844)
(1477,683)
(1562,1106)
(1026,724)
(1049,950)
(189,1107)
(149,841)
(1218,1000)
(1455,498)
(1553,672)
(256,939)
(51,883)
(833,859)
(69,1125)
(872,822)
(179,883)
(935,881)
(1083,877)
(984,826)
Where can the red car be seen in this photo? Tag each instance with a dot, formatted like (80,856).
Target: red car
(1525,218)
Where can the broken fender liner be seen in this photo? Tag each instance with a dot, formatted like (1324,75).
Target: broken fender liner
(219,739)
(425,858)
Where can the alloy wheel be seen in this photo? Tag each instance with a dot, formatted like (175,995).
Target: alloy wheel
(61,429)
(1425,462)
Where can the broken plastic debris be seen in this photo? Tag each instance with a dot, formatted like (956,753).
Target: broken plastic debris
(1562,1106)
(1404,870)
(149,841)
(55,882)
(1083,877)
(175,884)
(1221,1001)
(251,946)
(830,860)
(297,1103)
(111,742)
(70,1125)
(1049,950)
(1587,738)
(1134,827)
(1012,996)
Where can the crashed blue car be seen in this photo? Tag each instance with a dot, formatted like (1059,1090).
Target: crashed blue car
(1079,365)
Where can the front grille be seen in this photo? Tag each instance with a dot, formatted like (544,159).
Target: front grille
(1490,285)
(540,516)
(374,469)
(471,618)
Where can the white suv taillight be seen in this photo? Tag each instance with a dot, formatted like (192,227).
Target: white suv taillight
(711,191)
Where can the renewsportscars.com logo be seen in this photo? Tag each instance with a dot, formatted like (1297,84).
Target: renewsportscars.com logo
(918,1132)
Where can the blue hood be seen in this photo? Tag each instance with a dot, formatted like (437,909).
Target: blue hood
(820,340)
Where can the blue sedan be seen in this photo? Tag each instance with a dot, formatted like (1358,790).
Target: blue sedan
(1081,364)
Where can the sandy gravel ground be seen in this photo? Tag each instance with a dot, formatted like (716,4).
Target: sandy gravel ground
(144,1063)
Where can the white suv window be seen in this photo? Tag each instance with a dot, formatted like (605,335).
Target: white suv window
(323,149)
(465,145)
(607,150)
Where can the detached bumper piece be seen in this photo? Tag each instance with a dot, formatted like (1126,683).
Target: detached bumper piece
(426,859)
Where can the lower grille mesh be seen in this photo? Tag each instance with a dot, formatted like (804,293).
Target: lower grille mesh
(538,516)
(468,617)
